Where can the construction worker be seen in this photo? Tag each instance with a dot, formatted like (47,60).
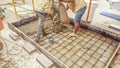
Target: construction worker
(42,9)
(78,7)
(45,8)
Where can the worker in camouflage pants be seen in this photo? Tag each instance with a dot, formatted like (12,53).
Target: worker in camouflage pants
(45,8)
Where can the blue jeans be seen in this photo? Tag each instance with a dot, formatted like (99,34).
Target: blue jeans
(79,14)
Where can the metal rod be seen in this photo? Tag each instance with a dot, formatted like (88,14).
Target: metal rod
(89,7)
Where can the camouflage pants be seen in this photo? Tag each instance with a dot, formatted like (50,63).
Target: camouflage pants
(40,25)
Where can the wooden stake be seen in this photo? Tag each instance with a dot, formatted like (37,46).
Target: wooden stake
(89,7)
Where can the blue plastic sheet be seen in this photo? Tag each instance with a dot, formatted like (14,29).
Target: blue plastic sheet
(111,15)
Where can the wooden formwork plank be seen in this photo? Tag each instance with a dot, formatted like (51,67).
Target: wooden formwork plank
(113,55)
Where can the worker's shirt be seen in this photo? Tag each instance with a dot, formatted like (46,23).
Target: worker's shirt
(45,6)
(77,5)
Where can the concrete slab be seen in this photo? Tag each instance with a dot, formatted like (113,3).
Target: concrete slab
(29,47)
(42,59)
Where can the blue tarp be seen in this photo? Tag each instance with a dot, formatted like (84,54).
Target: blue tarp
(111,15)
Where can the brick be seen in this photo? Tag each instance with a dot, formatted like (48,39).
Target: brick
(29,48)
(43,60)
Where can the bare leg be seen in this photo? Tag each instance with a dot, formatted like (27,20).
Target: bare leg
(76,27)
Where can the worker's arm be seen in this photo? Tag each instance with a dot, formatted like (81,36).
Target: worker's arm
(67,7)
